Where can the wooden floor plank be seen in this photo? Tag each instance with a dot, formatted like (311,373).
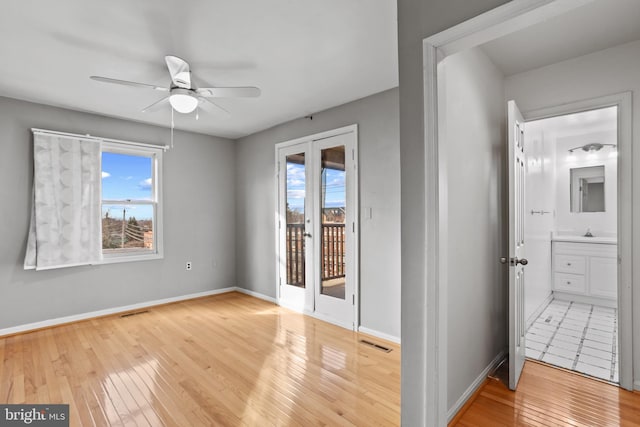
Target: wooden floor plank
(234,360)
(228,360)
(547,396)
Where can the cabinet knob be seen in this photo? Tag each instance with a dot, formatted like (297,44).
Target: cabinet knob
(569,264)
(568,282)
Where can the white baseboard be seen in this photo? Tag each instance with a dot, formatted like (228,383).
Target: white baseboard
(603,302)
(636,385)
(256,295)
(83,316)
(539,310)
(378,334)
(474,386)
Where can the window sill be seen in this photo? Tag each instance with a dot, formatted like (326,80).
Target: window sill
(128,256)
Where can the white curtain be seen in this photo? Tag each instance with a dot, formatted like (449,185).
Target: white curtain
(65,225)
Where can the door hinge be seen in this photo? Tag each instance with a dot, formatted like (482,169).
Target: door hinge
(353,299)
(353,227)
(353,154)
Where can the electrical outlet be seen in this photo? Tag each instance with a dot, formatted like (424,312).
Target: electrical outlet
(188,266)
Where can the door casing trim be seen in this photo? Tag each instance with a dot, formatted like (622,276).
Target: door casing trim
(356,218)
(624,185)
(428,400)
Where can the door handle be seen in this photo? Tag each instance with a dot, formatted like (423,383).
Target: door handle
(307,234)
(514,261)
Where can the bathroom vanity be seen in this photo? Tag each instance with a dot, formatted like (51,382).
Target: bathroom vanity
(585,269)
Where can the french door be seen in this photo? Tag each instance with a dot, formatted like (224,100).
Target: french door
(317,230)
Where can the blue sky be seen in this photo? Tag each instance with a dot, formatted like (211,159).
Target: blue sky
(126,177)
(334,189)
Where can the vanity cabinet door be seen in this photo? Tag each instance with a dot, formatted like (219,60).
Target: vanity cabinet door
(603,278)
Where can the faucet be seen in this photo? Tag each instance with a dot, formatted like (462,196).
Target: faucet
(588,233)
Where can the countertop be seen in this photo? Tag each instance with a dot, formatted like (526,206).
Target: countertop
(583,239)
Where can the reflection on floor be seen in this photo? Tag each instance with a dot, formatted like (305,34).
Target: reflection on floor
(580,337)
(223,360)
(550,397)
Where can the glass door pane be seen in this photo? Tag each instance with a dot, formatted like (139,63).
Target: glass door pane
(333,218)
(295,232)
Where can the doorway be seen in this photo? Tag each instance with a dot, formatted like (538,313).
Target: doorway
(571,230)
(562,91)
(317,230)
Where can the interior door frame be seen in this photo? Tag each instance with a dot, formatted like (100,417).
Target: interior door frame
(624,199)
(353,129)
(428,392)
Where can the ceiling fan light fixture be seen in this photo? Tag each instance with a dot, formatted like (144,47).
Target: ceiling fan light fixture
(183,101)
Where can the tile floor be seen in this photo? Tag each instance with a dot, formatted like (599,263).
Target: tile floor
(580,337)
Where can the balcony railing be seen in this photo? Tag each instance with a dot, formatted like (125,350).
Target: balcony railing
(295,255)
(332,247)
(332,251)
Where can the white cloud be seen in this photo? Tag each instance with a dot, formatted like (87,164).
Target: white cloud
(105,174)
(295,175)
(146,184)
(337,182)
(295,194)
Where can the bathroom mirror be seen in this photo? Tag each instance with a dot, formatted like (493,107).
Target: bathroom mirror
(587,189)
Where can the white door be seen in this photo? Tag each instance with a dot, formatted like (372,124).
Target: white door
(317,211)
(295,208)
(335,228)
(517,259)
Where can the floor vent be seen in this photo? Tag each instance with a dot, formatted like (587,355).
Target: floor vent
(376,346)
(133,313)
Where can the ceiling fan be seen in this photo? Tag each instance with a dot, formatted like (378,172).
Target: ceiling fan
(183,96)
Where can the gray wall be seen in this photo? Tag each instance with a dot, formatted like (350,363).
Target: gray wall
(471,91)
(198,221)
(377,119)
(418,19)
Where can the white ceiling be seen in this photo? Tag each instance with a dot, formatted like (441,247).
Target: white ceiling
(585,122)
(596,26)
(305,55)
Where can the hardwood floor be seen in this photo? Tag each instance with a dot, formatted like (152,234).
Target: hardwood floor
(548,396)
(225,360)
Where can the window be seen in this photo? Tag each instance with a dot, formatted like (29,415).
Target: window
(130,203)
(94,201)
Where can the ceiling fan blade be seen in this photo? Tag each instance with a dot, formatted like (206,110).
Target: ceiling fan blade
(156,105)
(179,71)
(211,106)
(128,83)
(229,92)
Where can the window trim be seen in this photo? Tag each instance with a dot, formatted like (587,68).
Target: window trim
(156,155)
